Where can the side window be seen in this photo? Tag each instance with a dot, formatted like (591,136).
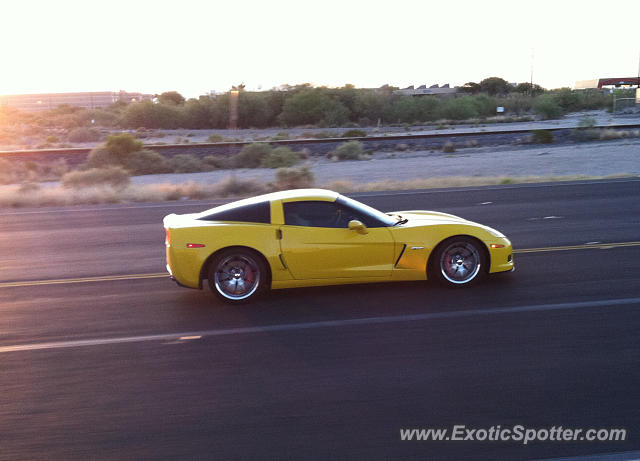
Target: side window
(256,213)
(319,214)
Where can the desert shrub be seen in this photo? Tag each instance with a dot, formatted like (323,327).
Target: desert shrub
(294,178)
(185,163)
(213,162)
(355,133)
(100,157)
(448,147)
(122,144)
(542,137)
(351,150)
(252,155)
(215,138)
(54,170)
(126,151)
(280,157)
(546,107)
(114,176)
(233,187)
(52,139)
(12,172)
(146,162)
(609,133)
(82,134)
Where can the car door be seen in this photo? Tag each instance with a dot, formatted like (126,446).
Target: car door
(316,243)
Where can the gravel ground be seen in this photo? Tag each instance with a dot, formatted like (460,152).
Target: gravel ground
(601,117)
(587,159)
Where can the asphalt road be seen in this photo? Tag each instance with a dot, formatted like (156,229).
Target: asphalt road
(143,369)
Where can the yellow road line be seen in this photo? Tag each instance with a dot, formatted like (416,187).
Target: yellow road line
(590,246)
(108,278)
(105,278)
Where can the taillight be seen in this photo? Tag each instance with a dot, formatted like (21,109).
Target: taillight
(195,245)
(167,240)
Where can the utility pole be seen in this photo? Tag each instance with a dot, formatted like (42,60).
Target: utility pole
(531,82)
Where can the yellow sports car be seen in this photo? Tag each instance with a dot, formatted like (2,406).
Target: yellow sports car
(311,237)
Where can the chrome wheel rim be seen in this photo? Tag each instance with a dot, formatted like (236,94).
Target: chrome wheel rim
(460,263)
(237,277)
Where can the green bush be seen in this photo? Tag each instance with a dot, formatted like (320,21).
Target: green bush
(146,162)
(82,134)
(294,178)
(185,163)
(354,134)
(280,157)
(351,150)
(213,162)
(313,106)
(252,155)
(460,108)
(542,137)
(126,151)
(114,176)
(546,107)
(121,145)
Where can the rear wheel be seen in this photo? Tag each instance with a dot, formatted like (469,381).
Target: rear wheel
(237,275)
(458,261)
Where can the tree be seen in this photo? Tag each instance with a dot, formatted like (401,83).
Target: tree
(470,87)
(172,98)
(495,86)
(527,88)
(311,106)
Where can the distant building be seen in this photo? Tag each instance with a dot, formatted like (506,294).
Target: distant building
(600,83)
(88,100)
(433,90)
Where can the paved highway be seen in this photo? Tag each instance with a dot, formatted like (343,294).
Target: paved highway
(114,362)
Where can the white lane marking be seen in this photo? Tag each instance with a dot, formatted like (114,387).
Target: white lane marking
(553,217)
(319,324)
(486,203)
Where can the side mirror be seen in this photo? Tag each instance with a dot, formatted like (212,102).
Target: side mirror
(357,226)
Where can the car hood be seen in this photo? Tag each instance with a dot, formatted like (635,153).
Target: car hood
(421,217)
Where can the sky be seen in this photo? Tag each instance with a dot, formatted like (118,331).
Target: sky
(197,46)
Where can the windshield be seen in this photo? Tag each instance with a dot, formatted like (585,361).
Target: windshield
(372,213)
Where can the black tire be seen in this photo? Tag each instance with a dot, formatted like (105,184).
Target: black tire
(237,275)
(458,262)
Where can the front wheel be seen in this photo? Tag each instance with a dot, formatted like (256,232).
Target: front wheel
(458,261)
(237,275)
